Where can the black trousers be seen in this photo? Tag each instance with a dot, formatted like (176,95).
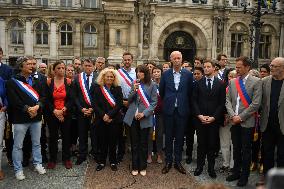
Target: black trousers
(207,140)
(54,125)
(9,141)
(190,131)
(272,138)
(242,146)
(74,131)
(107,141)
(43,138)
(139,146)
(257,148)
(84,125)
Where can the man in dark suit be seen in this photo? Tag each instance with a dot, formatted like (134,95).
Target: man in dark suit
(82,85)
(222,61)
(209,96)
(175,90)
(6,71)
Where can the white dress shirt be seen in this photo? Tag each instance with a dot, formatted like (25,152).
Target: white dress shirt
(238,98)
(124,86)
(177,76)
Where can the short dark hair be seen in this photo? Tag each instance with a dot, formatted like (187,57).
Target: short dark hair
(56,64)
(246,61)
(152,62)
(265,66)
(209,61)
(1,50)
(127,53)
(199,69)
(220,56)
(157,68)
(199,58)
(89,61)
(144,69)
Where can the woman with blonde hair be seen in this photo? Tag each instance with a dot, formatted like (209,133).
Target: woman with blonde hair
(107,103)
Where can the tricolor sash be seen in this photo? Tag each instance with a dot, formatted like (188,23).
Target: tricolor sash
(246,100)
(85,90)
(124,74)
(27,89)
(107,94)
(143,95)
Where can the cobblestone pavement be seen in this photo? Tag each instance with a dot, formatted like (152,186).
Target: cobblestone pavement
(85,176)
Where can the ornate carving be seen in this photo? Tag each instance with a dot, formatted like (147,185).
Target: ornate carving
(220,32)
(146,29)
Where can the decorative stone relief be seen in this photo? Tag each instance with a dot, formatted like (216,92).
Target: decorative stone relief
(146,30)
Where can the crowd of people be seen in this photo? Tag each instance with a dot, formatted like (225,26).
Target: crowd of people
(154,108)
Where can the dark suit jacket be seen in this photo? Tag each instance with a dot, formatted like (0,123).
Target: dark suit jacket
(78,95)
(19,101)
(50,99)
(169,93)
(209,102)
(6,72)
(102,107)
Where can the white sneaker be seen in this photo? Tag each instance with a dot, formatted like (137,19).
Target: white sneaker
(20,175)
(143,173)
(40,169)
(134,172)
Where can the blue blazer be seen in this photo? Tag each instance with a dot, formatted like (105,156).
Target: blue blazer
(169,93)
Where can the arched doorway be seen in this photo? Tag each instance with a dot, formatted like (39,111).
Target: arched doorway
(180,41)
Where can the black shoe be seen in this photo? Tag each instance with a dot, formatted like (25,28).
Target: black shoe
(188,160)
(100,167)
(198,171)
(180,168)
(80,161)
(224,169)
(233,177)
(212,173)
(167,168)
(113,167)
(242,182)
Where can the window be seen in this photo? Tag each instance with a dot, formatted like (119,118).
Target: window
(66,3)
(41,31)
(91,3)
(17,31)
(264,46)
(235,3)
(42,2)
(90,36)
(236,44)
(66,35)
(117,37)
(17,2)
(201,1)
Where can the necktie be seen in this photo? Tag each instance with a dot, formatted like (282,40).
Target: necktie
(209,84)
(88,85)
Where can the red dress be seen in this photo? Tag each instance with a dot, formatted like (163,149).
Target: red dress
(59,95)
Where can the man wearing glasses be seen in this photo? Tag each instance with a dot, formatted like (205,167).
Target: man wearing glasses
(272,118)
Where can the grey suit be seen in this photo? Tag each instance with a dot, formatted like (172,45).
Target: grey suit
(265,105)
(242,133)
(135,102)
(254,90)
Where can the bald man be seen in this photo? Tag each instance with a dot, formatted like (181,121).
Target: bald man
(272,116)
(42,68)
(175,90)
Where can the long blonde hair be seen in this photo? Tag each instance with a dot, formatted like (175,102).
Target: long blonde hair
(101,81)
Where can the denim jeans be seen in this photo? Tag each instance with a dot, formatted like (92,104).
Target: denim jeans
(19,135)
(2,128)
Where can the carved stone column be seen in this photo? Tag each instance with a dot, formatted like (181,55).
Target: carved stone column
(77,38)
(140,41)
(214,37)
(281,45)
(3,34)
(28,43)
(53,40)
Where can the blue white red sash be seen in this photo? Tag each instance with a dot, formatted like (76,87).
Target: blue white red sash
(27,89)
(107,94)
(143,95)
(246,100)
(123,73)
(85,90)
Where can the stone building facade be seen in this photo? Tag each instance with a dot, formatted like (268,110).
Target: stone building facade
(150,29)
